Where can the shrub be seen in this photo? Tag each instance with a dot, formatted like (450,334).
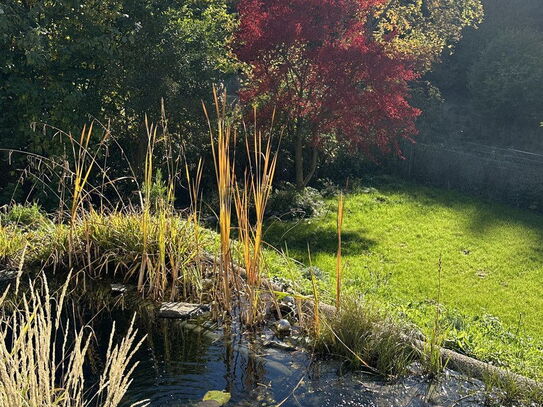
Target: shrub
(29,216)
(289,203)
(327,187)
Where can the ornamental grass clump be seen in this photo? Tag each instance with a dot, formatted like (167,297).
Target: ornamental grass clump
(116,245)
(367,337)
(254,193)
(42,358)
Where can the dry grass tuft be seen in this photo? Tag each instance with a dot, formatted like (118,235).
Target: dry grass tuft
(41,361)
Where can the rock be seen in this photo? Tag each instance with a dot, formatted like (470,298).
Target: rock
(288,300)
(279,345)
(118,288)
(182,310)
(282,327)
(288,306)
(281,284)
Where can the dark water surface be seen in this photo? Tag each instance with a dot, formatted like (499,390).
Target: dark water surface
(180,362)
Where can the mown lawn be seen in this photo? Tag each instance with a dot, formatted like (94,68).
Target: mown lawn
(394,236)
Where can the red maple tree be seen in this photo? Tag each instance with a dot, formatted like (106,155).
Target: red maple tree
(317,64)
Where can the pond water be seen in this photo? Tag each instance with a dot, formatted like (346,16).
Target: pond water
(180,362)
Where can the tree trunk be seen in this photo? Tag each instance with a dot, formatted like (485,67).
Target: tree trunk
(299,159)
(314,162)
(303,179)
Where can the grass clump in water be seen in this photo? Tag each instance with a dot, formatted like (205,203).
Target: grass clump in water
(367,337)
(117,243)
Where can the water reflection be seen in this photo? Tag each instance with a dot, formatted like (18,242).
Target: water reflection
(181,362)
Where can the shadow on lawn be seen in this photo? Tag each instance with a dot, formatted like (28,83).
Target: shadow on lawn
(481,216)
(484,219)
(321,239)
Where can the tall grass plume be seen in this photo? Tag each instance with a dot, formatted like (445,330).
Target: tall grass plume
(42,360)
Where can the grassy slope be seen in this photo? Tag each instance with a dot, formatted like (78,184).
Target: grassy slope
(393,238)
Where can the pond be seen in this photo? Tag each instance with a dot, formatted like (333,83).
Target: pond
(181,361)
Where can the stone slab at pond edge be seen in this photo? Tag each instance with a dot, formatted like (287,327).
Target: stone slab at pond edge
(182,310)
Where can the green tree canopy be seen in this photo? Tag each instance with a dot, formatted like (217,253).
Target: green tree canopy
(506,81)
(63,62)
(425,28)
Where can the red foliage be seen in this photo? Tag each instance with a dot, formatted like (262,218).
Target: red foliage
(317,62)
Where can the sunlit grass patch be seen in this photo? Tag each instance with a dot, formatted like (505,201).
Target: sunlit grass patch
(393,237)
(12,246)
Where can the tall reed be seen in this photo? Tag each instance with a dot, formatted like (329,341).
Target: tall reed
(81,174)
(159,272)
(316,298)
(195,196)
(158,267)
(339,269)
(221,140)
(145,199)
(255,192)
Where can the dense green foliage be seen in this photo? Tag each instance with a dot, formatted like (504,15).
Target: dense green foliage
(63,63)
(425,28)
(393,238)
(491,86)
(66,62)
(505,81)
